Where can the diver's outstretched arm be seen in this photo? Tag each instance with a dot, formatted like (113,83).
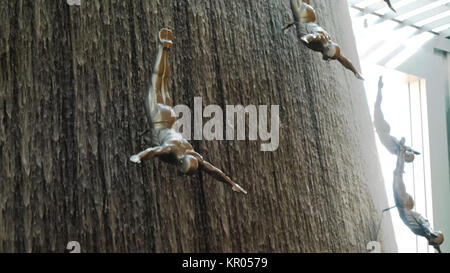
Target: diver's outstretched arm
(287,26)
(219,175)
(215,172)
(151,153)
(347,64)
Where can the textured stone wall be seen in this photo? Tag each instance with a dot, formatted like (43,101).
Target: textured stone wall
(72,85)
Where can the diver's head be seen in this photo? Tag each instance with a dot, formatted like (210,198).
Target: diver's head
(438,239)
(188,164)
(409,156)
(331,52)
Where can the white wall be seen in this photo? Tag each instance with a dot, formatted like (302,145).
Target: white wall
(433,64)
(381,42)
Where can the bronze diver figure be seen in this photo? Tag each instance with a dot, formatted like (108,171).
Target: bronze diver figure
(315,37)
(418,224)
(383,129)
(169,145)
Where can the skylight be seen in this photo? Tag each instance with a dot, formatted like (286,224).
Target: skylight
(426,15)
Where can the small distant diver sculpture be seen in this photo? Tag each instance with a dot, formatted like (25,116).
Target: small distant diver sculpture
(405,203)
(315,37)
(388,2)
(170,146)
(383,129)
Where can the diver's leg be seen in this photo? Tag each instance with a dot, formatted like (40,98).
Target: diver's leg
(380,122)
(380,92)
(160,72)
(165,39)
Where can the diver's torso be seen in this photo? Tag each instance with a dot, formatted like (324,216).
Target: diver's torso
(164,116)
(165,136)
(409,217)
(390,142)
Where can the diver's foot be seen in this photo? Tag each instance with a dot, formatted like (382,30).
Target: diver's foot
(166,38)
(135,159)
(380,83)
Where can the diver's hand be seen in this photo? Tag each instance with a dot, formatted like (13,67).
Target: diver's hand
(135,159)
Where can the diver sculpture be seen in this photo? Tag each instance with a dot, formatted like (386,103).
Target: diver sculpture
(383,129)
(315,37)
(405,203)
(170,146)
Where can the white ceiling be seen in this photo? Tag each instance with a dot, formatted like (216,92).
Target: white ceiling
(426,15)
